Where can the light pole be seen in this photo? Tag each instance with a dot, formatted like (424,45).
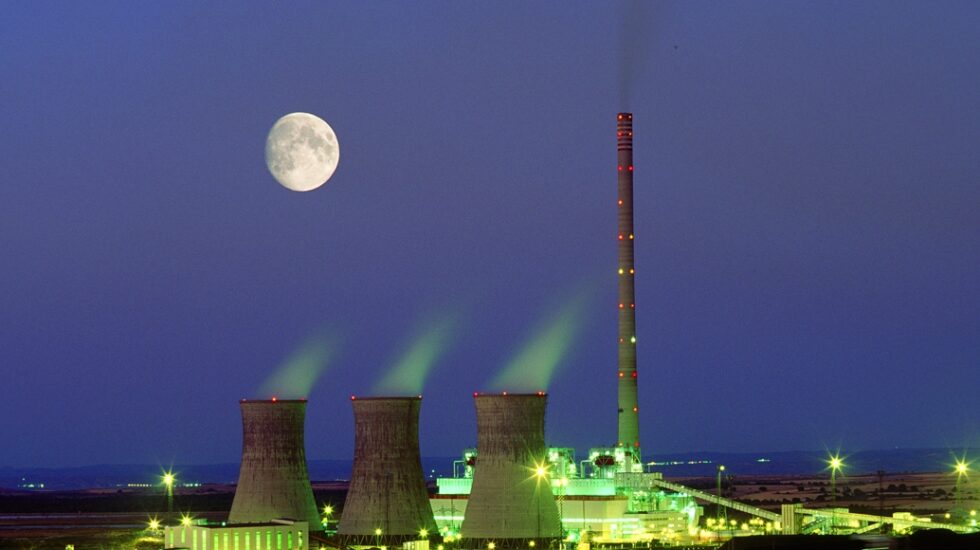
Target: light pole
(541,473)
(562,484)
(168,481)
(721,468)
(377,537)
(962,469)
(327,512)
(835,463)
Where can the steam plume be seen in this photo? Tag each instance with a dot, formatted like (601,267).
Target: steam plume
(294,378)
(407,376)
(534,365)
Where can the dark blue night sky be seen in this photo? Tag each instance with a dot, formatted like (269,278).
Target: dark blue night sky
(807,198)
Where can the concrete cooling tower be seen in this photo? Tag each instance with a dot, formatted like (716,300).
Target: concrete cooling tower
(387,489)
(273,481)
(511,502)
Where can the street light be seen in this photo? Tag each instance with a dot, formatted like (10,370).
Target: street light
(961,469)
(168,480)
(721,468)
(377,537)
(835,463)
(562,486)
(541,473)
(186,520)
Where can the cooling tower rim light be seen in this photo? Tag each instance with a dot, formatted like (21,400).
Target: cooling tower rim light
(386,398)
(509,394)
(271,401)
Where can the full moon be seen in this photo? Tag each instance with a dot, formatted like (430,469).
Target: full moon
(301,151)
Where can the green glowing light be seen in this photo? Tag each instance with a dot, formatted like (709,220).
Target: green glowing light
(297,374)
(168,479)
(154,524)
(962,467)
(540,471)
(186,520)
(534,365)
(835,462)
(377,532)
(407,376)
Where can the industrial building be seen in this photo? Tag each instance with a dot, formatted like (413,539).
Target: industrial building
(608,494)
(273,480)
(510,501)
(387,501)
(611,505)
(274,535)
(273,506)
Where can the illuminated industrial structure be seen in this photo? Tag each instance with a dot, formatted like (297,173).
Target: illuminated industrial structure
(274,535)
(591,497)
(273,506)
(511,503)
(629,408)
(387,489)
(608,494)
(273,481)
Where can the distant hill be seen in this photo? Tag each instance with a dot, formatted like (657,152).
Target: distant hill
(695,464)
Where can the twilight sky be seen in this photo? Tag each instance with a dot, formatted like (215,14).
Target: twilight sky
(807,198)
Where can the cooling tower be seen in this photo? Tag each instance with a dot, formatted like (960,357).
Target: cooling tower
(511,502)
(273,481)
(629,410)
(387,490)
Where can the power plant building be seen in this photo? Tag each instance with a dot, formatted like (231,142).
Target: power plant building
(612,506)
(387,492)
(273,481)
(277,535)
(510,502)
(608,494)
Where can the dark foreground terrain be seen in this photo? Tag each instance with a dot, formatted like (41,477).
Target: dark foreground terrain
(114,518)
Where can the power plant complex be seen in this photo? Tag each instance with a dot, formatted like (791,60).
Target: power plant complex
(511,491)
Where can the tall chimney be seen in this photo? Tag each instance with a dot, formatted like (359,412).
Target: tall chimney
(273,481)
(511,502)
(628,415)
(387,488)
